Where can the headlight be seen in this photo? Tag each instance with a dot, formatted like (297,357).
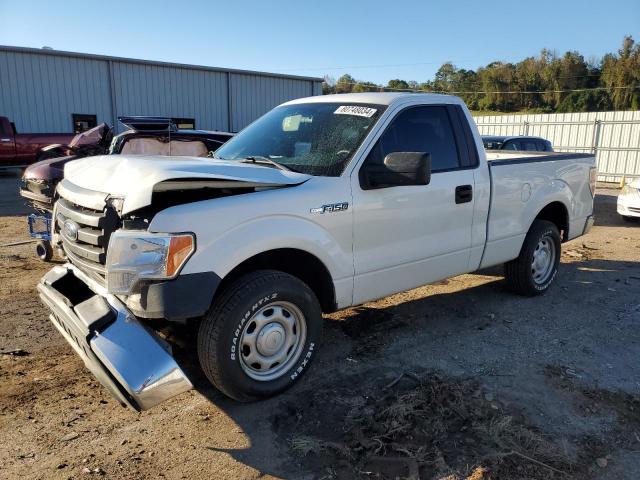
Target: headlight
(133,256)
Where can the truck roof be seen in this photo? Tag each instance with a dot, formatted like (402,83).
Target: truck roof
(379,98)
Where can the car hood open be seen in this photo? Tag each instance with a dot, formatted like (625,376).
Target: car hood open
(135,178)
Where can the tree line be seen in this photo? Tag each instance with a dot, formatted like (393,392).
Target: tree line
(545,84)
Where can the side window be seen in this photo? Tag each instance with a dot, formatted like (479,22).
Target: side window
(510,145)
(420,129)
(529,145)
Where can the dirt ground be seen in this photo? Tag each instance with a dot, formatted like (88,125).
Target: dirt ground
(456,380)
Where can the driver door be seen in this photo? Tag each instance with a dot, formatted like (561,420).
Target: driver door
(408,236)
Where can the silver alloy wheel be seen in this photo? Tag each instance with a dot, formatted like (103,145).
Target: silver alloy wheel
(544,260)
(272,341)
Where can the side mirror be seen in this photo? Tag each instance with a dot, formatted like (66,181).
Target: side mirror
(399,169)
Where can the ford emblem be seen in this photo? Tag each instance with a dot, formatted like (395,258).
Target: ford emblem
(70,229)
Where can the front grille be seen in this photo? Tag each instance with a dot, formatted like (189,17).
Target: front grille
(86,236)
(633,209)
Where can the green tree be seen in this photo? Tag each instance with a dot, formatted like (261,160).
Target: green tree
(545,83)
(585,101)
(328,85)
(365,87)
(345,84)
(397,84)
(621,75)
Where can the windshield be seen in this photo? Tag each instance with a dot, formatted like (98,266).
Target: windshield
(312,138)
(90,137)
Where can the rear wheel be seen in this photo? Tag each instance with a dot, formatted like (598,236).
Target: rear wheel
(535,269)
(260,335)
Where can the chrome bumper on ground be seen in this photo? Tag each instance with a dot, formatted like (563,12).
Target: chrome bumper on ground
(131,361)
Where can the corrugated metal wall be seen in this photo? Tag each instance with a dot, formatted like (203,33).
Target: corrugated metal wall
(613,136)
(172,92)
(40,92)
(251,96)
(41,89)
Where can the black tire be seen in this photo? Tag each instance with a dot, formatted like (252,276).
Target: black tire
(44,250)
(519,272)
(626,218)
(221,356)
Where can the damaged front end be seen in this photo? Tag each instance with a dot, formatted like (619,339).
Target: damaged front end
(130,360)
(106,326)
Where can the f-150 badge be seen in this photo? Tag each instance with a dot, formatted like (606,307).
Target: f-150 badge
(332,207)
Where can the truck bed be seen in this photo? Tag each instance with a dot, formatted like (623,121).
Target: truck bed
(502,156)
(522,183)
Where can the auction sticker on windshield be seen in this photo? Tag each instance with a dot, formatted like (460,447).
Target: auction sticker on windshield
(355,110)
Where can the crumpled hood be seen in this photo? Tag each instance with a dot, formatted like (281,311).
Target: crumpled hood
(50,169)
(135,177)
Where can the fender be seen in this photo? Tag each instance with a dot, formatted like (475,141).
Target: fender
(223,253)
(52,151)
(557,191)
(54,146)
(231,230)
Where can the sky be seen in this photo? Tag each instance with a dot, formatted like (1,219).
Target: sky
(371,40)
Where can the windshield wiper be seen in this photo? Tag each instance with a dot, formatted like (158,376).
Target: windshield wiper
(264,161)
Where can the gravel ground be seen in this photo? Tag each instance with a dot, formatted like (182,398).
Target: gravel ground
(456,380)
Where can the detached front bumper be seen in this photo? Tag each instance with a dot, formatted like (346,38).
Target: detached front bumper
(131,361)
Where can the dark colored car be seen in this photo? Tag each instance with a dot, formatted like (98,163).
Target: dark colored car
(146,136)
(22,149)
(532,144)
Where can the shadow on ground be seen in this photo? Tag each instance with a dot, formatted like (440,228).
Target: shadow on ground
(11,203)
(407,388)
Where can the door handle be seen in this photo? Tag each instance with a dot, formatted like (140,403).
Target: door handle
(5,140)
(464,193)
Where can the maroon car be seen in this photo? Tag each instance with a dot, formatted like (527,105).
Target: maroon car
(40,179)
(146,136)
(22,149)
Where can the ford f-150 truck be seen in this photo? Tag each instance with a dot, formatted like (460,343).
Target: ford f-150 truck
(322,203)
(22,149)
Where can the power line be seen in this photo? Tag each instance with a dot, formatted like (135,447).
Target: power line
(412,64)
(381,65)
(418,90)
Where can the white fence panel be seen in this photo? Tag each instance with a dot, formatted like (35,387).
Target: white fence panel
(613,136)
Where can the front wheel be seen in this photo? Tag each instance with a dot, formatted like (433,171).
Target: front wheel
(260,335)
(535,269)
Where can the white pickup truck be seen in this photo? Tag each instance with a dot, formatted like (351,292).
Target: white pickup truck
(321,204)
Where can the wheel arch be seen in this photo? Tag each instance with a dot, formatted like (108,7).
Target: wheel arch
(557,213)
(299,263)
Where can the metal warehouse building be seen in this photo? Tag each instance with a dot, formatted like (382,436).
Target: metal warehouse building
(54,91)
